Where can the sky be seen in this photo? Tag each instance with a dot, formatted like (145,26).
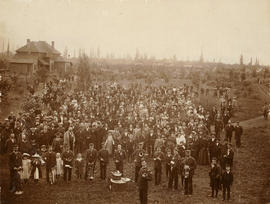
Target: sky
(221,29)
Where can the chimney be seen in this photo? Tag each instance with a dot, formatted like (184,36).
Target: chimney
(28,46)
(53,44)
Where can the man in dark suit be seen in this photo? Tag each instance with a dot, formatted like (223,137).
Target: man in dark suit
(50,159)
(67,157)
(228,132)
(227,181)
(103,157)
(191,163)
(144,176)
(238,131)
(91,157)
(15,164)
(158,159)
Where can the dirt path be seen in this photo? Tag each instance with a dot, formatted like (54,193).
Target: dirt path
(255,122)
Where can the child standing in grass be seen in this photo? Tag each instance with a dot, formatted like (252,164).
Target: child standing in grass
(59,166)
(26,167)
(79,166)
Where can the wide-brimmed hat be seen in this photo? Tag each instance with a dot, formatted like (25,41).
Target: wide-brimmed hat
(36,155)
(26,155)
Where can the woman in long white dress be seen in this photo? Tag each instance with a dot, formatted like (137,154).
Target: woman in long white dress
(109,143)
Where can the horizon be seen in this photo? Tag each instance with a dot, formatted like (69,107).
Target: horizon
(222,31)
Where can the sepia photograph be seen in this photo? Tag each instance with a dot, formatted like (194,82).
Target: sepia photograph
(134,101)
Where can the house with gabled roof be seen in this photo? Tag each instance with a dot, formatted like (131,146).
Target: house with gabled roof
(38,55)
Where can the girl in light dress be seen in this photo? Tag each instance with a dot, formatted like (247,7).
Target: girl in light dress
(36,173)
(59,166)
(26,167)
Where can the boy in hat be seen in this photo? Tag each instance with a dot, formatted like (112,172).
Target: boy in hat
(103,157)
(227,181)
(79,163)
(91,157)
(215,175)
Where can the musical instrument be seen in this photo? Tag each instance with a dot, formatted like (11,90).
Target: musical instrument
(186,171)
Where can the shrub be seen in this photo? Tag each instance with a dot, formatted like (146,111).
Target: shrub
(246,83)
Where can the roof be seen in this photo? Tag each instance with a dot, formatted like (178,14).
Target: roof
(38,46)
(62,59)
(43,62)
(22,61)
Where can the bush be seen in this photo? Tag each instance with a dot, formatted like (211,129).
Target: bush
(255,96)
(246,83)
(237,92)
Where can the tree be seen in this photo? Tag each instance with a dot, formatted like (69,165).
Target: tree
(231,74)
(243,76)
(83,71)
(254,72)
(41,74)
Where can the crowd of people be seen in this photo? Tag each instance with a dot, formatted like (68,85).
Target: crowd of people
(70,131)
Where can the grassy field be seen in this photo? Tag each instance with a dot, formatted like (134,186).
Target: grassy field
(251,185)
(251,170)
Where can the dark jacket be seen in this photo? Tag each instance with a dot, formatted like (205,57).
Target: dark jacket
(238,131)
(227,179)
(103,156)
(91,156)
(50,159)
(144,176)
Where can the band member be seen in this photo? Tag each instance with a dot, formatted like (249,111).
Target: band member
(168,158)
(91,157)
(144,176)
(119,156)
(238,131)
(139,155)
(174,170)
(215,176)
(228,132)
(67,157)
(227,181)
(103,157)
(50,159)
(158,158)
(191,165)
(15,164)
